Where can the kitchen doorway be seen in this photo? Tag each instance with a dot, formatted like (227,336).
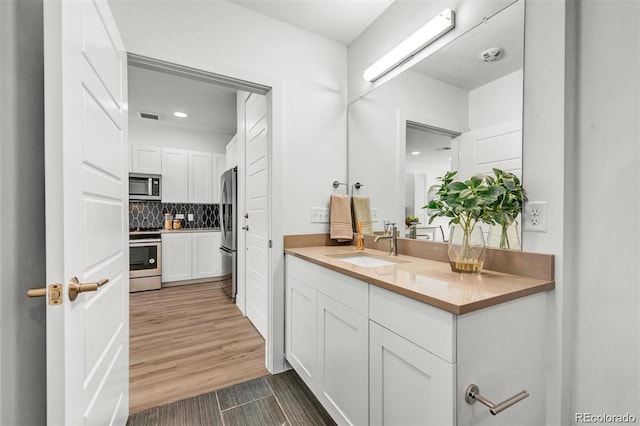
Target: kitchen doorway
(194,294)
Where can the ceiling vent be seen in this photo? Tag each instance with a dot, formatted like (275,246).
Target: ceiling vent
(148,115)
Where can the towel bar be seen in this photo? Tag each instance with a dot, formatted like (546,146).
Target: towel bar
(356,185)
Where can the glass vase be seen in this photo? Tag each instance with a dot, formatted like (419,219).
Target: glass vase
(505,236)
(466,249)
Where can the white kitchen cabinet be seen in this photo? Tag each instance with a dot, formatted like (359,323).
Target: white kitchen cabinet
(200,183)
(343,352)
(146,159)
(175,175)
(221,167)
(176,257)
(418,359)
(205,254)
(232,153)
(190,255)
(408,385)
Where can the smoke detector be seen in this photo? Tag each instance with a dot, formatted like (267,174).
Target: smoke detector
(491,54)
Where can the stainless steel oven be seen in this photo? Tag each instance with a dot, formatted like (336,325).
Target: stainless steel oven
(145,261)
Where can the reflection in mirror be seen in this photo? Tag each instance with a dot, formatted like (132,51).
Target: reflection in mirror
(458,111)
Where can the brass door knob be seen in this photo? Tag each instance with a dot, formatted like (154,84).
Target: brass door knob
(75,287)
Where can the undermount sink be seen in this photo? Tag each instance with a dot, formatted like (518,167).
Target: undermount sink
(364,260)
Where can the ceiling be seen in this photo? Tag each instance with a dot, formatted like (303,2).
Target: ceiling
(339,20)
(211,108)
(458,64)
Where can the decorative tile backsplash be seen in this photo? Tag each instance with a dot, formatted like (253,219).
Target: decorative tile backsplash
(150,214)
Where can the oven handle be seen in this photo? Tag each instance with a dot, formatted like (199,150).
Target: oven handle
(140,243)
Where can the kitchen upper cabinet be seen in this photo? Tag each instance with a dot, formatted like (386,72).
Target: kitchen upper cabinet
(408,385)
(146,159)
(221,167)
(190,255)
(200,177)
(175,175)
(232,153)
(206,254)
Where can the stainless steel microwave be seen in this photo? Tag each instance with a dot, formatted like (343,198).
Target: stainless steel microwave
(144,187)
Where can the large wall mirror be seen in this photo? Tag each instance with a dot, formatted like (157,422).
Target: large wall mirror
(452,111)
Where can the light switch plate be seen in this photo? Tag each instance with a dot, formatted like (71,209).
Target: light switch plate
(374,215)
(319,215)
(179,215)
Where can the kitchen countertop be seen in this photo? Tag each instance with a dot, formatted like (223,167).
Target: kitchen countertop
(428,281)
(173,231)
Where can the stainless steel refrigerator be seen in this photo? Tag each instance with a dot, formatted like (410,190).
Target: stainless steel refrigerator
(229,227)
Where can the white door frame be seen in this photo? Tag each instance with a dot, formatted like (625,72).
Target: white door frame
(252,81)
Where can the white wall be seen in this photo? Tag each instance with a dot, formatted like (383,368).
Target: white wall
(496,102)
(22,256)
(311,72)
(154,134)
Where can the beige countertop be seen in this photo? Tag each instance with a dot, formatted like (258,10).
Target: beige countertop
(182,230)
(428,281)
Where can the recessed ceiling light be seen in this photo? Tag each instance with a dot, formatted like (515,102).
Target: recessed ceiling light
(415,152)
(180,114)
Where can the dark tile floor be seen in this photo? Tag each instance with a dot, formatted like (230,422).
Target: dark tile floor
(281,399)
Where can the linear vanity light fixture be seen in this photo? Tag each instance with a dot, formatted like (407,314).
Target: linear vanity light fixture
(430,32)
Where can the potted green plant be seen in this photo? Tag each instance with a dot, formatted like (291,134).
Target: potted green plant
(508,206)
(466,203)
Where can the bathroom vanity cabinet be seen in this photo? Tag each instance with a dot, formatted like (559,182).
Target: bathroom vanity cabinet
(374,356)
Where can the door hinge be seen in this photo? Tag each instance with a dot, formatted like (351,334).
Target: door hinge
(270,243)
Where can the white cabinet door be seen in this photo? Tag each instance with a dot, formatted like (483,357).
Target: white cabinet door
(300,329)
(200,177)
(343,354)
(176,257)
(408,385)
(221,167)
(146,159)
(206,254)
(175,176)
(231,158)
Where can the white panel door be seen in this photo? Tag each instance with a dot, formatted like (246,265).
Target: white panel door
(86,167)
(175,176)
(200,177)
(257,207)
(343,362)
(176,256)
(408,385)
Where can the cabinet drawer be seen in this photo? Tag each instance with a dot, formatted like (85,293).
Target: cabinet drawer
(430,328)
(349,291)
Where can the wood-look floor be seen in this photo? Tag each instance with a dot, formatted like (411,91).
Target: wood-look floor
(188,340)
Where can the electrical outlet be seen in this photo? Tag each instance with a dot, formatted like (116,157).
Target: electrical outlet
(374,215)
(535,216)
(190,217)
(319,215)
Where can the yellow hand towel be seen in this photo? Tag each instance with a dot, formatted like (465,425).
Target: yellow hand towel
(340,218)
(362,213)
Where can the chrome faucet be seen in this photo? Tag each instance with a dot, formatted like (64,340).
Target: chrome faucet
(393,239)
